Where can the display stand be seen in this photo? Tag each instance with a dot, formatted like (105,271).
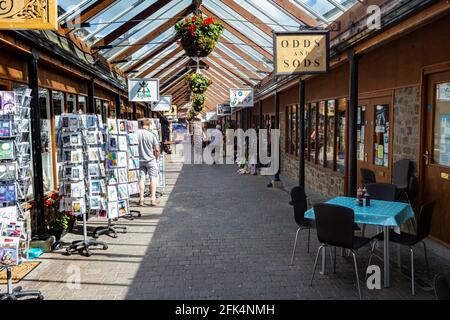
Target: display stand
(15,180)
(133,165)
(76,154)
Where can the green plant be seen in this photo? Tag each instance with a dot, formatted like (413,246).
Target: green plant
(198,83)
(56,221)
(198,100)
(198,36)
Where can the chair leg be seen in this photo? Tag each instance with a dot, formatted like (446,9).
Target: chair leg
(295,246)
(412,271)
(333,260)
(371,255)
(426,260)
(315,263)
(309,239)
(363,231)
(357,276)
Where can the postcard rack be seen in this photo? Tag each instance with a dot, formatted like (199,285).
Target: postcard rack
(75,156)
(15,184)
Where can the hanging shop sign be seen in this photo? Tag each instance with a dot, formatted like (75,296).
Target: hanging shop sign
(28,14)
(163,105)
(241,98)
(224,109)
(211,116)
(143,90)
(301,52)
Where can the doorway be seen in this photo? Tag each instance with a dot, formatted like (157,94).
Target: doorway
(374,137)
(436,152)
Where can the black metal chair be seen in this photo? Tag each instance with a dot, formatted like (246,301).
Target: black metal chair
(334,226)
(401,176)
(368,176)
(410,240)
(441,287)
(299,201)
(382,191)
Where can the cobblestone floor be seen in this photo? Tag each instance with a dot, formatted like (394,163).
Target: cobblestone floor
(217,235)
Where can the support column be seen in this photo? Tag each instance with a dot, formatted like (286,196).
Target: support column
(352,124)
(261,116)
(117,102)
(36,146)
(277,126)
(133,104)
(91,100)
(301,135)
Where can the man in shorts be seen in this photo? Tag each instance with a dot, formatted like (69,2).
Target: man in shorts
(148,161)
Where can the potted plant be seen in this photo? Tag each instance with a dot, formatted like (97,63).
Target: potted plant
(198,100)
(198,83)
(198,35)
(58,223)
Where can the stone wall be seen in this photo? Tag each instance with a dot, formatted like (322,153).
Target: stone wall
(406,125)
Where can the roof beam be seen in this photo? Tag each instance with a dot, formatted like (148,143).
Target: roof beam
(151,55)
(229,69)
(299,14)
(87,14)
(257,64)
(116,33)
(226,79)
(170,66)
(248,16)
(155,33)
(158,64)
(237,64)
(238,34)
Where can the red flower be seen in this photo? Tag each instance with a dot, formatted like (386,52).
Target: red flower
(194,19)
(54,196)
(192,30)
(48,202)
(209,21)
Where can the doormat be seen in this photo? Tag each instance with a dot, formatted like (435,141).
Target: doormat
(19,272)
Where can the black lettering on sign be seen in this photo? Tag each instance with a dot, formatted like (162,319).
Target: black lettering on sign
(5,7)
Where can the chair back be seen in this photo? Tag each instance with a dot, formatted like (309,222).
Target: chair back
(401,173)
(441,288)
(299,201)
(382,191)
(424,221)
(368,176)
(334,225)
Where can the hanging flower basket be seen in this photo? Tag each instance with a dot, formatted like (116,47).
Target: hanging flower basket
(198,36)
(198,83)
(198,100)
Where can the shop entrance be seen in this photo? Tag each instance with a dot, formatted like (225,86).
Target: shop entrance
(374,137)
(436,152)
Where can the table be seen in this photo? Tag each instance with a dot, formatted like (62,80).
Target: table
(386,214)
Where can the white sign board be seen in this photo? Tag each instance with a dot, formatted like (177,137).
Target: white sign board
(224,109)
(143,90)
(211,116)
(241,98)
(164,104)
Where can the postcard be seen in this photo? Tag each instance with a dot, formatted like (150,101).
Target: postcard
(94,170)
(14,229)
(122,174)
(95,187)
(74,121)
(92,138)
(8,171)
(91,121)
(8,102)
(9,251)
(8,213)
(6,128)
(122,159)
(122,124)
(133,126)
(102,169)
(94,154)
(78,207)
(134,150)
(95,203)
(6,150)
(122,208)
(122,190)
(8,193)
(113,177)
(133,139)
(133,176)
(123,143)
(112,193)
(103,214)
(133,188)
(113,143)
(77,190)
(112,126)
(113,210)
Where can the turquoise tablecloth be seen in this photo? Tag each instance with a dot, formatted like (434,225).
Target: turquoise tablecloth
(381,213)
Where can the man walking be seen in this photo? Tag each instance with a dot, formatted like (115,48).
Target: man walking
(217,144)
(148,161)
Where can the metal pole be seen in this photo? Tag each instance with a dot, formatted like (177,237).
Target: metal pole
(38,178)
(261,116)
(301,136)
(277,126)
(352,124)
(91,101)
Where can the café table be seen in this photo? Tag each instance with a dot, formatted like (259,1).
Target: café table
(386,214)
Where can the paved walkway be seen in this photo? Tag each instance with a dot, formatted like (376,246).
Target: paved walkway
(217,235)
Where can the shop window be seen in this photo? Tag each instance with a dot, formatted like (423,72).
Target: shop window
(361,132)
(321,133)
(292,130)
(82,104)
(340,137)
(58,102)
(381,136)
(71,103)
(47,140)
(331,133)
(313,132)
(442,125)
(306,128)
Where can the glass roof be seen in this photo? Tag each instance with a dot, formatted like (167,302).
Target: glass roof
(127,32)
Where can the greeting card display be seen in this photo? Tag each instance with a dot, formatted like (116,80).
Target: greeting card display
(7,102)
(9,251)
(133,158)
(8,171)
(6,150)
(9,213)
(6,128)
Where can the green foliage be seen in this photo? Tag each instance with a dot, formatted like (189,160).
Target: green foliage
(198,36)
(198,83)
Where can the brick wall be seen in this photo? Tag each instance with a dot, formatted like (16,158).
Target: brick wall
(406,125)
